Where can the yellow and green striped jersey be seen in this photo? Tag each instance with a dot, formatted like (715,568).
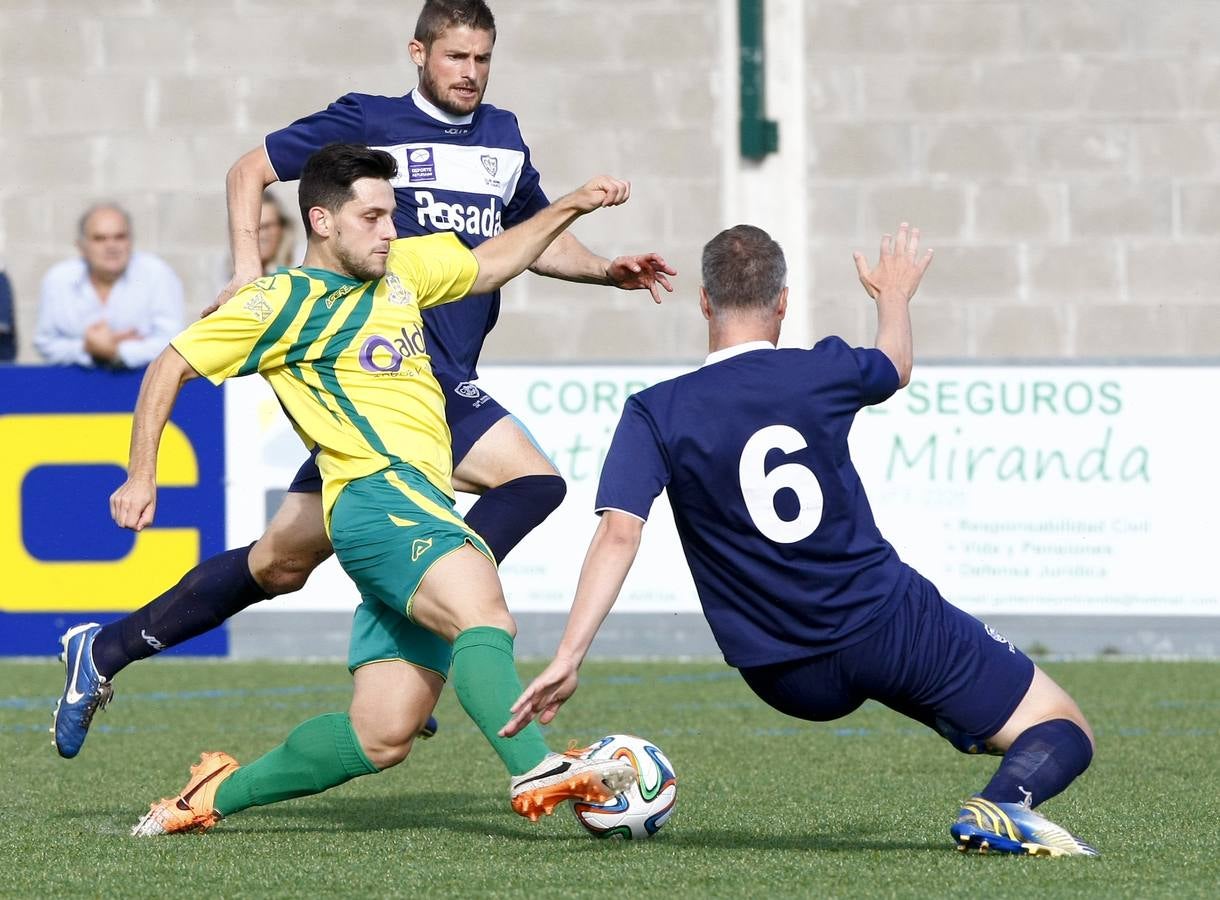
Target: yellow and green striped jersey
(346,358)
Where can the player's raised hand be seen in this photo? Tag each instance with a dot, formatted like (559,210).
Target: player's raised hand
(600,191)
(543,697)
(899,267)
(134,503)
(644,272)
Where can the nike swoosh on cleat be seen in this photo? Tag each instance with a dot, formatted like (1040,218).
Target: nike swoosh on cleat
(558,770)
(185,797)
(73,695)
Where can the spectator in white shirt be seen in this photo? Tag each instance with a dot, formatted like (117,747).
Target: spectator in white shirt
(111,306)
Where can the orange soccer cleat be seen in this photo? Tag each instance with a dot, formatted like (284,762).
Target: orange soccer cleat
(193,809)
(568,776)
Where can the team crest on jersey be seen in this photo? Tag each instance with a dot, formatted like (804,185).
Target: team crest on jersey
(467,389)
(396,292)
(421,165)
(259,306)
(999,638)
(491,165)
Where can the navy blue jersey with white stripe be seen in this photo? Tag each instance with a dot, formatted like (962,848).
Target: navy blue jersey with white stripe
(774,522)
(471,177)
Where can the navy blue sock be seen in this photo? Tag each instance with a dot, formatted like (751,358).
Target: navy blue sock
(208,594)
(1041,762)
(506,514)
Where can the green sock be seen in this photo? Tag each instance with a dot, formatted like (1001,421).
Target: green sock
(486,683)
(318,755)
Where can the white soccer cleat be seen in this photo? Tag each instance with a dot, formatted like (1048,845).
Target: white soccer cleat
(568,776)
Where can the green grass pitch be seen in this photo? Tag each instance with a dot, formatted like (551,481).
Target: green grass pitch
(767,806)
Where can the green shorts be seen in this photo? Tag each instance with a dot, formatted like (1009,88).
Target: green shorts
(388,530)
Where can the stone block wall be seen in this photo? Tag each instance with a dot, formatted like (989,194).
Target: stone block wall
(1063,156)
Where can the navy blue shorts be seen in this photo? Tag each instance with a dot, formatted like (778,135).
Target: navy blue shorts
(469,410)
(930,661)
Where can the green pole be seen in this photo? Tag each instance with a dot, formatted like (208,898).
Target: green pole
(759,135)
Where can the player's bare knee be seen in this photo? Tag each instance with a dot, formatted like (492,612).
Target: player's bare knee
(276,578)
(294,544)
(1058,704)
(505,622)
(387,754)
(1049,706)
(489,616)
(1076,717)
(384,744)
(284,573)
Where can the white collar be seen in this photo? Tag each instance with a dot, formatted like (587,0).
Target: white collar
(728,352)
(429,108)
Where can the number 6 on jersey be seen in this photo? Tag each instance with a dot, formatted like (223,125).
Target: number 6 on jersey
(759,487)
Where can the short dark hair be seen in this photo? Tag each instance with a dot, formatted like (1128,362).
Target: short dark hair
(329,174)
(743,269)
(439,15)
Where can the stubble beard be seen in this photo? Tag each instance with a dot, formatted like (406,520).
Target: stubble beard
(360,269)
(432,90)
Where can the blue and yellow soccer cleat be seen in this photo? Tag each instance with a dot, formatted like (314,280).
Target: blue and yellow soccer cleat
(987,827)
(85,691)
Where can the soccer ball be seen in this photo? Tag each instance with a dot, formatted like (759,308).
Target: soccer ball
(643,808)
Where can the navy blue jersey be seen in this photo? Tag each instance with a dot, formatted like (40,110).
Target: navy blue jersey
(777,531)
(470,175)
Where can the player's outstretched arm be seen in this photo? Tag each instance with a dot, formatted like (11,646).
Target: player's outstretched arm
(509,254)
(244,186)
(892,283)
(611,553)
(135,502)
(567,258)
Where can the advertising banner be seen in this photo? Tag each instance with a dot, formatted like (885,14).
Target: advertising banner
(1017,489)
(64,436)
(1042,490)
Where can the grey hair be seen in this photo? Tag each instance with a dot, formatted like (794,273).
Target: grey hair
(743,269)
(97,207)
